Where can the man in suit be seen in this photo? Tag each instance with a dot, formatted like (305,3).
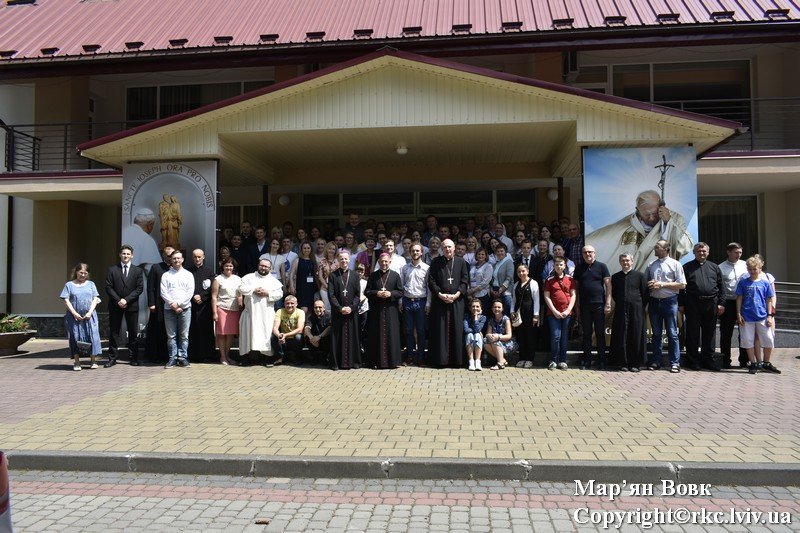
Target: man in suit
(124,284)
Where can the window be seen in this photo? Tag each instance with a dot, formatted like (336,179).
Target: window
(725,219)
(386,205)
(451,203)
(150,103)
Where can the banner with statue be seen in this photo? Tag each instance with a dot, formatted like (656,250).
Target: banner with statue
(169,204)
(634,197)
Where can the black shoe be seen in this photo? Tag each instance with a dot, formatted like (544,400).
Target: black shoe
(694,366)
(769,367)
(653,367)
(727,365)
(183,362)
(713,366)
(753,368)
(134,362)
(170,364)
(601,366)
(110,363)
(623,369)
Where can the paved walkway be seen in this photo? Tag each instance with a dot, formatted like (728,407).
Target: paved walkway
(107,502)
(410,412)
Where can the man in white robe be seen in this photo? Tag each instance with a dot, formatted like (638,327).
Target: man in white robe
(260,291)
(637,234)
(137,236)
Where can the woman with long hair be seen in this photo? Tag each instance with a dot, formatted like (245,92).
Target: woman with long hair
(81,298)
(526,303)
(301,277)
(226,305)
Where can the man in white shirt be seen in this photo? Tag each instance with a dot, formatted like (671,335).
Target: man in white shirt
(665,278)
(177,289)
(398,261)
(732,269)
(416,304)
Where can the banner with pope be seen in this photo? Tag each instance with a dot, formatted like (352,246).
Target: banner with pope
(634,197)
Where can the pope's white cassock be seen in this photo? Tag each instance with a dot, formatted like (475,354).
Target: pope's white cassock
(145,249)
(629,235)
(255,323)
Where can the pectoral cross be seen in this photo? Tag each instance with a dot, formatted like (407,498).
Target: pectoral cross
(450,279)
(345,291)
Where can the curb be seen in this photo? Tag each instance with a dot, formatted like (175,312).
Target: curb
(647,472)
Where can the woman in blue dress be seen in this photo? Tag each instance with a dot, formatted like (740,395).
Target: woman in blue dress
(81,297)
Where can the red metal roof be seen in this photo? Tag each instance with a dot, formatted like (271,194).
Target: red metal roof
(69,25)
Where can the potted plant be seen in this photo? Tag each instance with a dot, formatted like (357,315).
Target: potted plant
(13,333)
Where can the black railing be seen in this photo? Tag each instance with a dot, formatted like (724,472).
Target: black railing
(788,308)
(773,124)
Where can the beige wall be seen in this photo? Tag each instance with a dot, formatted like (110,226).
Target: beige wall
(62,100)
(66,233)
(774,234)
(792,251)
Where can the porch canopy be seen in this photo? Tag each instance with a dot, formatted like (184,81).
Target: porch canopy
(346,126)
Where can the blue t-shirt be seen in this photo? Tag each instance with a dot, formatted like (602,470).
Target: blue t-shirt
(754,298)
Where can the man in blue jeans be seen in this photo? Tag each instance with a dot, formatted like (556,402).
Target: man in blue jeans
(177,289)
(416,304)
(665,279)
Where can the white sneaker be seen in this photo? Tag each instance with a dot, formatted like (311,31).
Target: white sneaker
(562,366)
(76,368)
(472,364)
(551,366)
(478,365)
(528,364)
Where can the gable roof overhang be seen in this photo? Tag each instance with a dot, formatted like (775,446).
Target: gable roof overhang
(450,115)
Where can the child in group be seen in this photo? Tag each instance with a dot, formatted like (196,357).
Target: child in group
(498,336)
(559,295)
(473,329)
(755,308)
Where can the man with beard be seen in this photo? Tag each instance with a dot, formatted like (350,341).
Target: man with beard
(156,345)
(201,329)
(448,280)
(344,292)
(260,291)
(384,290)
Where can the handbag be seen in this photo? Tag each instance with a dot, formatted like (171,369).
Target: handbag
(516,319)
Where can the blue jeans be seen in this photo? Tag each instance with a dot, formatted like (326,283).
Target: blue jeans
(559,337)
(177,326)
(664,315)
(414,320)
(475,339)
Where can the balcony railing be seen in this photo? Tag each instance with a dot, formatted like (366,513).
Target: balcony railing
(774,124)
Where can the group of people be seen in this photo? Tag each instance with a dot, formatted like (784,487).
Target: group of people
(377,296)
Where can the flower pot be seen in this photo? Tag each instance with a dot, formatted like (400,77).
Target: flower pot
(10,342)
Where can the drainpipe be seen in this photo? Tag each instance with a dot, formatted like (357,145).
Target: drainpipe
(9,250)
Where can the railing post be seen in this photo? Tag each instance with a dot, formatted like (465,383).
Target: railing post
(66,143)
(10,148)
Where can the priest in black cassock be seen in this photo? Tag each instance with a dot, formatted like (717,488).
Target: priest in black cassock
(156,340)
(629,292)
(448,280)
(344,292)
(201,328)
(384,290)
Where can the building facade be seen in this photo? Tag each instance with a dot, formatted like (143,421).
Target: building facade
(396,109)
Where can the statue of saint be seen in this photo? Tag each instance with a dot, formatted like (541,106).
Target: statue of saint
(169,214)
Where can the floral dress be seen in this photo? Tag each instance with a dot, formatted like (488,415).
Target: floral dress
(81,297)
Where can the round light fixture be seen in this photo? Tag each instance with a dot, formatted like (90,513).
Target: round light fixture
(552,194)
(402,149)
(283,200)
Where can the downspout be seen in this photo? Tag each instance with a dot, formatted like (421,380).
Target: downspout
(9,249)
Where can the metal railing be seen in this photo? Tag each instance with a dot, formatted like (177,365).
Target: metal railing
(774,124)
(788,308)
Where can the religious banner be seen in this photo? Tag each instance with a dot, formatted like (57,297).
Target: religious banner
(169,204)
(634,197)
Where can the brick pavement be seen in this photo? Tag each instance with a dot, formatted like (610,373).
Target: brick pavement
(410,412)
(69,501)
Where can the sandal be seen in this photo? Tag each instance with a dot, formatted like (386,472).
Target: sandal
(498,366)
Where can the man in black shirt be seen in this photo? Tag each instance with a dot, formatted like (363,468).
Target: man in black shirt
(594,299)
(317,331)
(701,302)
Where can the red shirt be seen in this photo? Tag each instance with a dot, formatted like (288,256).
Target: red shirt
(560,292)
